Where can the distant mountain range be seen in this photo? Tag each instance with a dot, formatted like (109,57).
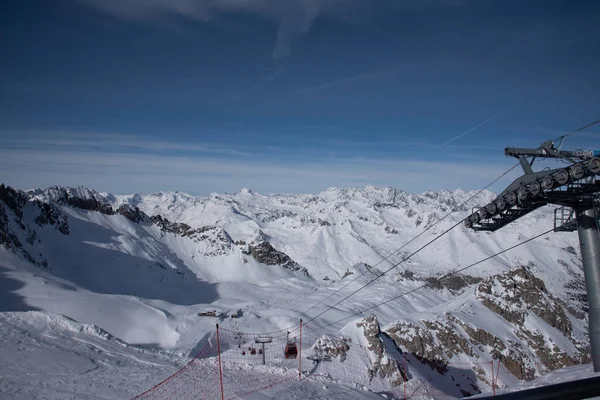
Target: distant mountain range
(526,308)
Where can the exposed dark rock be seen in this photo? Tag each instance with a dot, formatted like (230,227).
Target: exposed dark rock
(419,221)
(7,237)
(570,249)
(454,283)
(217,240)
(134,214)
(420,342)
(263,252)
(14,199)
(384,366)
(408,275)
(277,214)
(517,291)
(514,358)
(390,230)
(327,347)
(450,339)
(577,296)
(12,204)
(51,215)
(165,225)
(81,197)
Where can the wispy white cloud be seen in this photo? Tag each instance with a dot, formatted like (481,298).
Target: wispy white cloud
(115,142)
(129,171)
(293,17)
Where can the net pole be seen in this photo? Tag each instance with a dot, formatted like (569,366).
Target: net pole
(405,373)
(220,369)
(497,373)
(300,354)
(493,381)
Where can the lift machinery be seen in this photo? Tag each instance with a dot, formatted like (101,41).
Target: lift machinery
(575,188)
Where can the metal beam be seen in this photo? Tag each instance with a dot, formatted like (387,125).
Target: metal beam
(525,165)
(572,390)
(587,228)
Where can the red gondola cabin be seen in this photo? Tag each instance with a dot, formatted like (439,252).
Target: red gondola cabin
(291,351)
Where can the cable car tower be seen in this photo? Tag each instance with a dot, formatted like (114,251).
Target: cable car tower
(576,188)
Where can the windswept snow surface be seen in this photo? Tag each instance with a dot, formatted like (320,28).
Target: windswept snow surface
(142,287)
(49,356)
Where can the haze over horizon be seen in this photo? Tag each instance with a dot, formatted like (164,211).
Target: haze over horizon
(206,96)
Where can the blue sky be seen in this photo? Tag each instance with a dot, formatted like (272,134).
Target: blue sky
(289,95)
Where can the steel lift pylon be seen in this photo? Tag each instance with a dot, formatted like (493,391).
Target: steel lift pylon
(575,188)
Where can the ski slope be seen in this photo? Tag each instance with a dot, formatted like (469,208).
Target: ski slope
(143,286)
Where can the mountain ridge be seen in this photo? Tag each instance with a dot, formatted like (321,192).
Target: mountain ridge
(233,247)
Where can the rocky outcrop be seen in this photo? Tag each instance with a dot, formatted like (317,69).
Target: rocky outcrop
(327,347)
(419,341)
(275,215)
(51,215)
(15,234)
(80,197)
(517,292)
(517,296)
(383,366)
(263,252)
(455,283)
(216,240)
(13,199)
(7,237)
(165,225)
(134,214)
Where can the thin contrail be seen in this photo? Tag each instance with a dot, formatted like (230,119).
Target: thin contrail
(328,84)
(473,128)
(357,77)
(261,82)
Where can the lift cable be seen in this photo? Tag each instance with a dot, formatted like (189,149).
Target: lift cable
(427,244)
(440,278)
(563,137)
(413,239)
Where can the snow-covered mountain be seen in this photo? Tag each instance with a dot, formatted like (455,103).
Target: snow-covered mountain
(142,266)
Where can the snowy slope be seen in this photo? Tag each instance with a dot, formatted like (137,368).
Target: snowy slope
(53,357)
(142,267)
(348,226)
